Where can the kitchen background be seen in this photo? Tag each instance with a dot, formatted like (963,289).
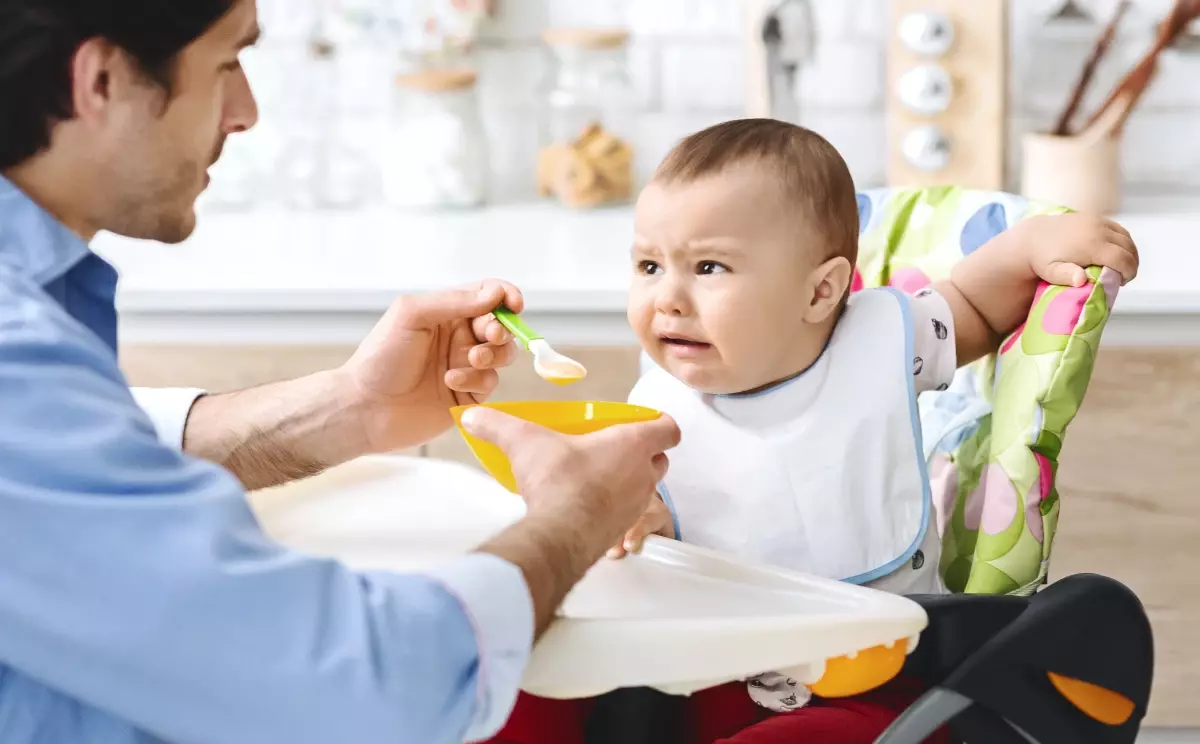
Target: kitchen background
(688,68)
(270,287)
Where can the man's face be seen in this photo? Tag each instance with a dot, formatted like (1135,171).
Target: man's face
(157,150)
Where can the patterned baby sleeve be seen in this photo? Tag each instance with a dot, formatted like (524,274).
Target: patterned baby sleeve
(935,358)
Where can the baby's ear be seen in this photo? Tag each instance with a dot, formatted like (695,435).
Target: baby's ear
(828,282)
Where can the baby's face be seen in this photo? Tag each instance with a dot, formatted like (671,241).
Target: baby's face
(721,282)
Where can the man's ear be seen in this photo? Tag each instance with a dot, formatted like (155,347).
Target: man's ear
(101,74)
(828,283)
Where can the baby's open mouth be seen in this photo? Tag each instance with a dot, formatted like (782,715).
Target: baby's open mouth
(686,343)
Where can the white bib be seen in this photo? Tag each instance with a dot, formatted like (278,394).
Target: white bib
(824,473)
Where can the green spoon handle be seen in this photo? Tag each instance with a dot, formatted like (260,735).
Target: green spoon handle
(519,328)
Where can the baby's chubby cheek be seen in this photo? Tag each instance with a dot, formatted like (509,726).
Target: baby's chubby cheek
(640,318)
(748,351)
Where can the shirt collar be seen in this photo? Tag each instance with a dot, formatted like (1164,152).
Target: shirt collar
(32,240)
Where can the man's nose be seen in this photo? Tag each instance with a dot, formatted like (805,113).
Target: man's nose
(241,110)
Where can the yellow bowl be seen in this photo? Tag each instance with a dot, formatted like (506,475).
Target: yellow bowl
(567,417)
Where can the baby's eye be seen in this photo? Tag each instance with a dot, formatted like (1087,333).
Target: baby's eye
(650,268)
(710,267)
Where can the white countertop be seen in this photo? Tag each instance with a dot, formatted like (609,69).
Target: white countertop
(276,276)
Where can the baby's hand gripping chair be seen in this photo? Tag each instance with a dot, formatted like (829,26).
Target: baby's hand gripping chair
(1007,664)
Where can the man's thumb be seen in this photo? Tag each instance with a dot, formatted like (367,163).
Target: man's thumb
(498,428)
(434,308)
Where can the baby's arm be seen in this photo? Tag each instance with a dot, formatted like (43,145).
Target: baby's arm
(991,291)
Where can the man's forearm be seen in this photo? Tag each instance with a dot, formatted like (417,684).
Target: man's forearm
(553,554)
(278,432)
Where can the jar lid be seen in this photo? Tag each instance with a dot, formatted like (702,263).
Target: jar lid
(588,38)
(435,80)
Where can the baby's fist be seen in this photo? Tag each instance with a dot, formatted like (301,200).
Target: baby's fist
(1062,246)
(656,521)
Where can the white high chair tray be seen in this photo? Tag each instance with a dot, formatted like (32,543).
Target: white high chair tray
(676,617)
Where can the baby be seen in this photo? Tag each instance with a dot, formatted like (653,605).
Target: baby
(797,401)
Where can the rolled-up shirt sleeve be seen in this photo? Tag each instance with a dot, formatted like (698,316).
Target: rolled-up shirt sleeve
(168,409)
(135,580)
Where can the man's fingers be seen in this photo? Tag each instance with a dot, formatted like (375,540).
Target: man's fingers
(513,299)
(655,437)
(498,428)
(488,330)
(492,357)
(661,434)
(479,382)
(434,308)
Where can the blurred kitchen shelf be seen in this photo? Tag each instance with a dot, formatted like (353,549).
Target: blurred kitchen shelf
(306,277)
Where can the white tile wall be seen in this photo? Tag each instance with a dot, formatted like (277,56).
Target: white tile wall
(689,71)
(848,75)
(702,74)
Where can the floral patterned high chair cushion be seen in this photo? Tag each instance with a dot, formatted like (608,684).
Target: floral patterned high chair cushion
(993,438)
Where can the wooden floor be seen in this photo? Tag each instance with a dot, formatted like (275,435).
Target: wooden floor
(1130,484)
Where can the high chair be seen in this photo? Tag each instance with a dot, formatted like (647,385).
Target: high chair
(1071,663)
(1005,663)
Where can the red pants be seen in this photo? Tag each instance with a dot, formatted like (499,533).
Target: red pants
(727,715)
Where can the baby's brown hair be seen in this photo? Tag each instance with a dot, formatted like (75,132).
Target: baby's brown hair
(811,172)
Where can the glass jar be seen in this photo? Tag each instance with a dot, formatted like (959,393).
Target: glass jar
(438,33)
(588,114)
(319,166)
(436,151)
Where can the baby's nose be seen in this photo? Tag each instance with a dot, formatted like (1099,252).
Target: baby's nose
(672,301)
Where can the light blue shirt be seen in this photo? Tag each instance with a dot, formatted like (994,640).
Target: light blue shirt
(139,600)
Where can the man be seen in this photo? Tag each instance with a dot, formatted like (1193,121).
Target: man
(139,601)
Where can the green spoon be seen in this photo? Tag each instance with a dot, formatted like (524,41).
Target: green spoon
(548,363)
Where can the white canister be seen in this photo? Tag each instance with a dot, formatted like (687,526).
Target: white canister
(436,150)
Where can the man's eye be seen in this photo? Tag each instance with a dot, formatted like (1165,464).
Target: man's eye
(231,66)
(649,268)
(711,267)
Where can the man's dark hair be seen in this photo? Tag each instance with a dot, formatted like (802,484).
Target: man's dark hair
(39,38)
